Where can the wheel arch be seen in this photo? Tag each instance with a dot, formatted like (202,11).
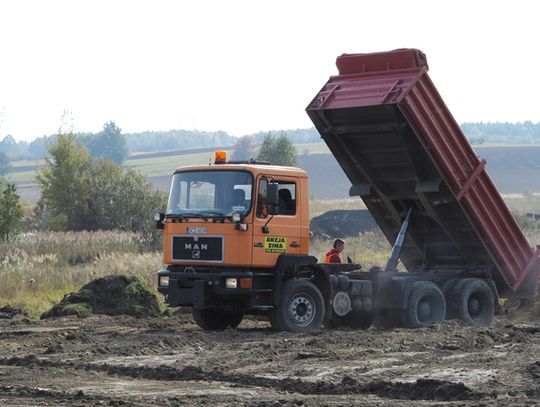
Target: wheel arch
(290,266)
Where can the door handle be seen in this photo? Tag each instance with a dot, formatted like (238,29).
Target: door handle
(294,244)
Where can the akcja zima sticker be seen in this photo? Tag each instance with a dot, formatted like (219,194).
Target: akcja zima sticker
(275,244)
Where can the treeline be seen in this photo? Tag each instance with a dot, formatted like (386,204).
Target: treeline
(109,143)
(504,133)
(150,141)
(147,141)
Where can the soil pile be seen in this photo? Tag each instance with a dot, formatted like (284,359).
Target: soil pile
(112,295)
(8,312)
(522,310)
(342,223)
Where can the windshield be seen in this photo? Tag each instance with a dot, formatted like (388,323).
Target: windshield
(210,193)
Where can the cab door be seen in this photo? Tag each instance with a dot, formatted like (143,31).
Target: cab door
(279,234)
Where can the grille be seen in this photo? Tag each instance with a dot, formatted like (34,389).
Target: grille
(198,248)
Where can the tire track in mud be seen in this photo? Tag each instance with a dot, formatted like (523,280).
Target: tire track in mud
(78,398)
(421,389)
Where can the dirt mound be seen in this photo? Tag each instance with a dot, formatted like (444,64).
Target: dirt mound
(522,310)
(342,223)
(112,295)
(8,312)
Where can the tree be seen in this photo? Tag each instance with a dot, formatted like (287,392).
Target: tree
(38,147)
(109,143)
(80,194)
(122,198)
(8,145)
(11,212)
(243,149)
(4,163)
(278,150)
(64,183)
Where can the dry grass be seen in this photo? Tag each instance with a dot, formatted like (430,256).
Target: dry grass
(38,269)
(520,206)
(368,249)
(318,207)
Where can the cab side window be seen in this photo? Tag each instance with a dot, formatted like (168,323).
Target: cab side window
(262,206)
(287,198)
(286,194)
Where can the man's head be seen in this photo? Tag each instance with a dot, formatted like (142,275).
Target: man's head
(339,245)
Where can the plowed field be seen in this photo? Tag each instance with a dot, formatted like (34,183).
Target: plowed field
(118,361)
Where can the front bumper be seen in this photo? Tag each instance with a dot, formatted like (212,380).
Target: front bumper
(208,290)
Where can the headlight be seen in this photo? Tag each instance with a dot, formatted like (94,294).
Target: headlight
(163,281)
(231,283)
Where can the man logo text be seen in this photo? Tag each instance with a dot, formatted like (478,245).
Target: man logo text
(196,246)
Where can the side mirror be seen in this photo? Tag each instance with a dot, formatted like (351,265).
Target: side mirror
(159,217)
(272,198)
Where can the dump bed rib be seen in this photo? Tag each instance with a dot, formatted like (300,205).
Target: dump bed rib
(400,147)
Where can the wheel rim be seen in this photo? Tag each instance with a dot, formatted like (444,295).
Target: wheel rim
(474,305)
(424,310)
(302,310)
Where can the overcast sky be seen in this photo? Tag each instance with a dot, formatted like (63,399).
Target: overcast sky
(246,66)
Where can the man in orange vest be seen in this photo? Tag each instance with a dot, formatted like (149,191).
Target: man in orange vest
(334,255)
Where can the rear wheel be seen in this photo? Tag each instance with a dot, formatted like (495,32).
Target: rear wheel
(301,307)
(216,320)
(473,302)
(426,305)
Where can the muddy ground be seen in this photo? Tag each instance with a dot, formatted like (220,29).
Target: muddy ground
(124,361)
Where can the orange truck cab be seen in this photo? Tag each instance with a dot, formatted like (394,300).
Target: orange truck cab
(231,232)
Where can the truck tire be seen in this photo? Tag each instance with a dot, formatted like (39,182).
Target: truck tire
(301,307)
(473,302)
(426,305)
(274,320)
(216,320)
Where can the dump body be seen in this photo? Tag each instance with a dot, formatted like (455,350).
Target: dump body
(400,147)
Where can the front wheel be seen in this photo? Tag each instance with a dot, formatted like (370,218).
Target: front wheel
(300,309)
(216,320)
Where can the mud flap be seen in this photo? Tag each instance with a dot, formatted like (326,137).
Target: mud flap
(197,295)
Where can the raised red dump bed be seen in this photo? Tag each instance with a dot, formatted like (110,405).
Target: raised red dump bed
(399,145)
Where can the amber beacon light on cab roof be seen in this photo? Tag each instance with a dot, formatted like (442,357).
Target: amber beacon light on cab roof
(236,234)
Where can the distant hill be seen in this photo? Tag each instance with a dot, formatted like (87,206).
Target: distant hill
(512,169)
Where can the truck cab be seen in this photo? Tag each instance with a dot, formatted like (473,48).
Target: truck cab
(226,229)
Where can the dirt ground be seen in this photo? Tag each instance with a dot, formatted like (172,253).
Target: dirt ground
(129,361)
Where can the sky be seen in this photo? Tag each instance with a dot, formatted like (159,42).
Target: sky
(247,66)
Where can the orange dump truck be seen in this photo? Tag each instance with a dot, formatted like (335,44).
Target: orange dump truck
(236,235)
